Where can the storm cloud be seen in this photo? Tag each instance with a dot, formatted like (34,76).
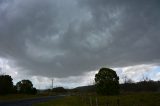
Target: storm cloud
(63,38)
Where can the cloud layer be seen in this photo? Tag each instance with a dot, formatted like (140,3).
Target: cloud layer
(63,38)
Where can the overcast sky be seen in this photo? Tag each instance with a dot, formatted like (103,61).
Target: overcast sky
(70,40)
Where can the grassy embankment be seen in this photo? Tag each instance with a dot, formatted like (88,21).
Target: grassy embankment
(134,99)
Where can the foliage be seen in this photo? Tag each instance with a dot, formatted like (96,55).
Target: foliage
(134,99)
(26,87)
(6,84)
(141,86)
(107,82)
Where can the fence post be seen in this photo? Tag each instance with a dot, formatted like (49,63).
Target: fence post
(96,102)
(90,101)
(118,102)
(107,104)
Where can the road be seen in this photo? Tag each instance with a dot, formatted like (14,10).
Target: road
(29,102)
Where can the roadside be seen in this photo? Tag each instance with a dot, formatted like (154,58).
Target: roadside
(14,97)
(29,102)
(136,99)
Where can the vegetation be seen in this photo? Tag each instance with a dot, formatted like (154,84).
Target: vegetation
(6,84)
(26,87)
(67,101)
(12,97)
(107,82)
(133,99)
(7,87)
(59,90)
(142,86)
(143,93)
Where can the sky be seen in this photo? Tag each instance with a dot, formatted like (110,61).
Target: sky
(70,40)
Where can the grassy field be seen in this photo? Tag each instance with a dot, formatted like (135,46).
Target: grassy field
(13,97)
(134,99)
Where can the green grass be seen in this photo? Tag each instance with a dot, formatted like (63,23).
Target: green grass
(13,97)
(134,99)
(66,101)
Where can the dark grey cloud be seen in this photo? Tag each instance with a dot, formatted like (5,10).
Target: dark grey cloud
(69,37)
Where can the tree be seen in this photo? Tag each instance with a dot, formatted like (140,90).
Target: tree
(107,82)
(26,87)
(6,84)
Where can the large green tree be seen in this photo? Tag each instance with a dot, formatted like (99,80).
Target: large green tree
(26,86)
(6,84)
(107,82)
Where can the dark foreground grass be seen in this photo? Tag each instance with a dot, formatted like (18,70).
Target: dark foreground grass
(67,101)
(134,99)
(13,97)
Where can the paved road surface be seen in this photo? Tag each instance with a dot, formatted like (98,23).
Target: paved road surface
(29,102)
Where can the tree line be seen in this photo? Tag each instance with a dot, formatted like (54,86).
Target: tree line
(23,86)
(145,85)
(106,83)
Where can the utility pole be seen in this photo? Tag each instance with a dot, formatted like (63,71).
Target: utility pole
(3,68)
(52,83)
(124,79)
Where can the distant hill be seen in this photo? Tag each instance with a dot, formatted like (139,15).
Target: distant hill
(89,88)
(141,86)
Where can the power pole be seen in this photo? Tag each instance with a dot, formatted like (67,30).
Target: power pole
(52,83)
